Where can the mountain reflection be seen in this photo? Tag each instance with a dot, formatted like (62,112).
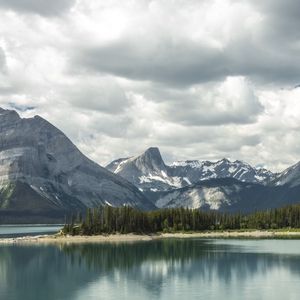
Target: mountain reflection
(61,272)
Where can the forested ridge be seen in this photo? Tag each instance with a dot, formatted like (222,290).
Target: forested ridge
(110,220)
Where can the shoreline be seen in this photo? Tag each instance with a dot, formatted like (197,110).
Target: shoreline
(116,238)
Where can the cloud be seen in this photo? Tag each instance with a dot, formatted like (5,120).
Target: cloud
(98,94)
(230,101)
(197,45)
(182,64)
(282,15)
(200,79)
(43,8)
(4,84)
(2,60)
(22,108)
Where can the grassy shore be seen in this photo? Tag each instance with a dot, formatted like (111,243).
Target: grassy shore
(250,234)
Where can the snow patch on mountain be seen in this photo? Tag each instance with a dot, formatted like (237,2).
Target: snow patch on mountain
(209,197)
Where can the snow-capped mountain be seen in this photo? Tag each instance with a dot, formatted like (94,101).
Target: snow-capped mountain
(146,171)
(223,185)
(44,176)
(150,174)
(195,170)
(289,177)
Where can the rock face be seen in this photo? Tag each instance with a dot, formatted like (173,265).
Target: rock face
(43,176)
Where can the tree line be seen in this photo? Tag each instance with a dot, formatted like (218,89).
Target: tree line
(110,220)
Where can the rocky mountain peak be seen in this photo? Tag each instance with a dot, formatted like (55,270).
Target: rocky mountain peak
(153,152)
(225,160)
(8,116)
(151,159)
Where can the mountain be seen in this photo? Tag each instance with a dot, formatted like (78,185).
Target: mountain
(223,185)
(150,174)
(289,177)
(229,195)
(147,171)
(43,176)
(194,171)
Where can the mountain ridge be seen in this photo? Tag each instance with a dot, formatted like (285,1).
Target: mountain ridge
(182,173)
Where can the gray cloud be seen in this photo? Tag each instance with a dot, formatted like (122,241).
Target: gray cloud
(266,51)
(181,64)
(232,101)
(96,94)
(282,15)
(44,8)
(190,63)
(200,79)
(5,88)
(2,61)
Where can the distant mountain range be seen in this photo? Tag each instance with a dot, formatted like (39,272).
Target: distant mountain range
(149,172)
(223,185)
(43,176)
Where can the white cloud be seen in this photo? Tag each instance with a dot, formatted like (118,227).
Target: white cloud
(200,79)
(230,101)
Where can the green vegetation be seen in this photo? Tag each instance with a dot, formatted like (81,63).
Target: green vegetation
(110,220)
(5,194)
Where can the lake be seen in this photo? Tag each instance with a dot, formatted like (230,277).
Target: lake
(165,269)
(27,230)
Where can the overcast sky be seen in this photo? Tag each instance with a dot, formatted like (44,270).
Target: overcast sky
(199,79)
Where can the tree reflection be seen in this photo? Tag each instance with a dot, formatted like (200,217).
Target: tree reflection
(61,271)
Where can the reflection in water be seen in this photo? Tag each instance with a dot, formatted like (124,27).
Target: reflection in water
(152,270)
(7,231)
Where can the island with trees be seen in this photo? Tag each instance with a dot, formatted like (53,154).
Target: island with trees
(124,220)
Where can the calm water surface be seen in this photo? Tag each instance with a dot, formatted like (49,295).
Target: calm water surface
(26,230)
(169,269)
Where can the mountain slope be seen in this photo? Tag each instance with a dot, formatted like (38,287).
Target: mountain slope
(229,195)
(38,160)
(290,176)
